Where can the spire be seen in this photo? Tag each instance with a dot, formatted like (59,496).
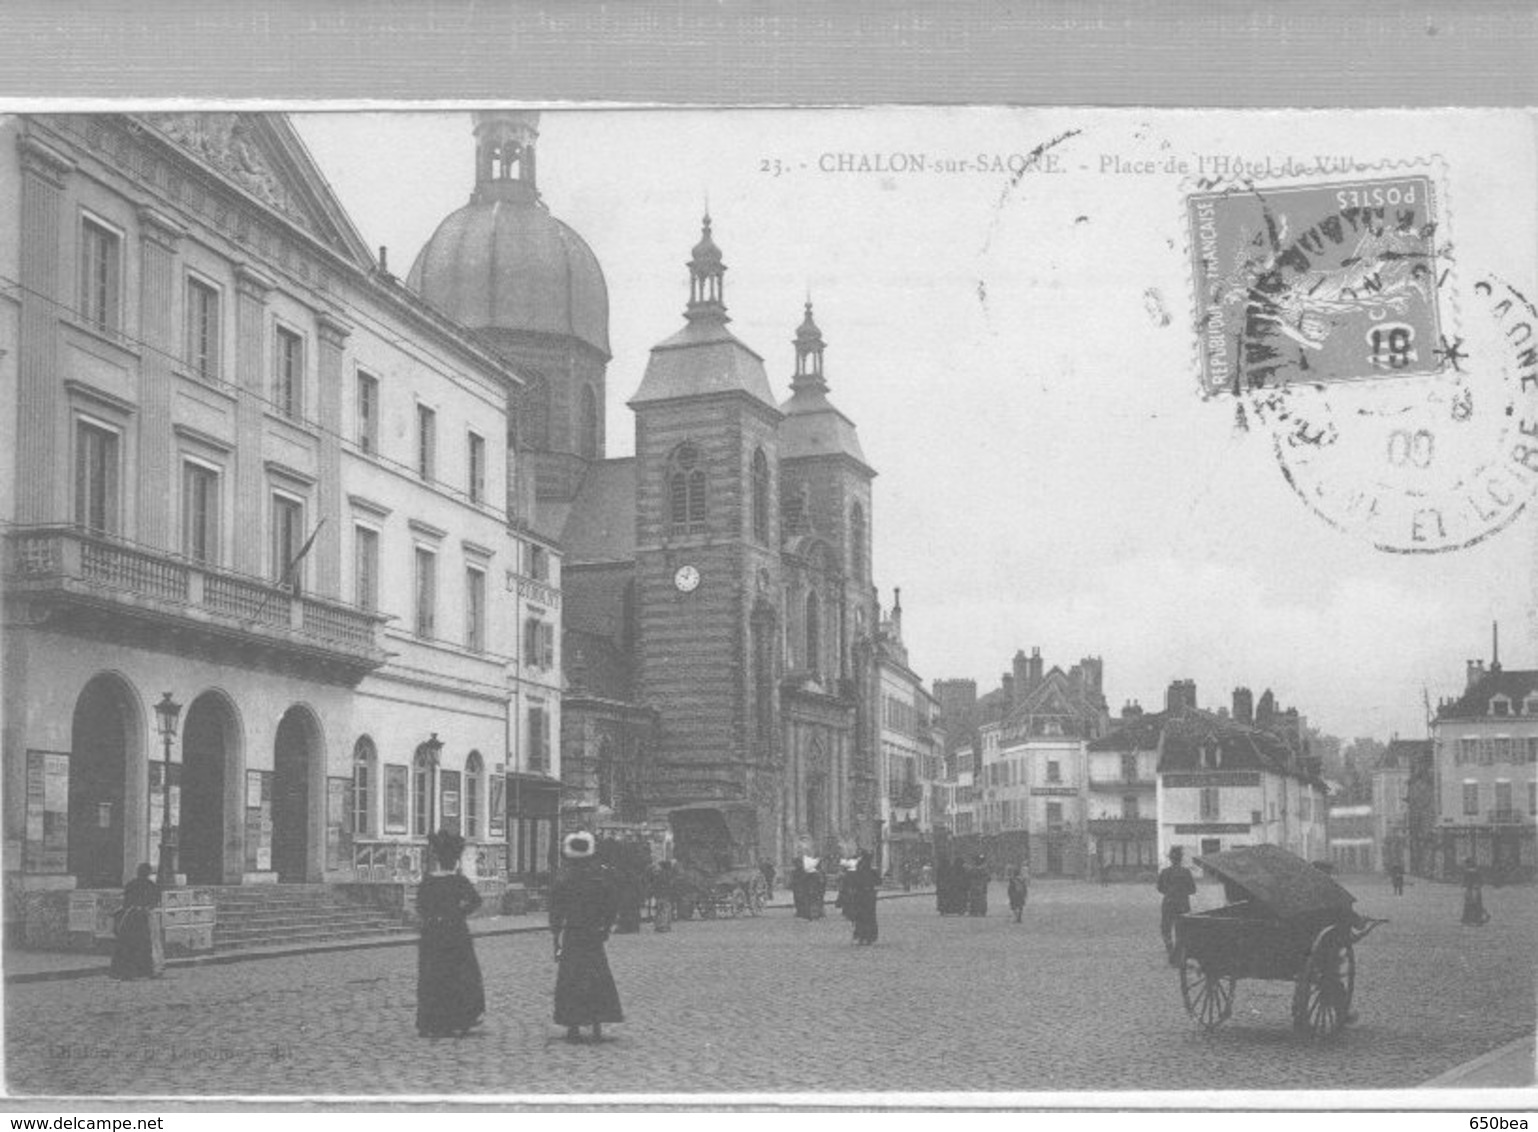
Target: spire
(504,154)
(809,348)
(707,301)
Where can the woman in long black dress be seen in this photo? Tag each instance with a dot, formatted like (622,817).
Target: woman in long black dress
(450,996)
(133,956)
(583,905)
(861,900)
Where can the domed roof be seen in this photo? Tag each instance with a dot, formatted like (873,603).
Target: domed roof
(505,262)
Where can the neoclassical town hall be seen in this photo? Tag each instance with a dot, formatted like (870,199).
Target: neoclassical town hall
(361,532)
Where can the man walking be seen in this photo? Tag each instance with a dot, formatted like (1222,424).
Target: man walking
(1177,886)
(1019,880)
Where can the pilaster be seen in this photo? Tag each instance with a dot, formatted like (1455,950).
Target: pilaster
(157,487)
(333,333)
(42,439)
(251,291)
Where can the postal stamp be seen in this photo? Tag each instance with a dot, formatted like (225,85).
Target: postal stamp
(1334,281)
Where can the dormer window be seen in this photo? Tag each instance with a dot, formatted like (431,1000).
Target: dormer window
(1211,755)
(1530,705)
(1500,705)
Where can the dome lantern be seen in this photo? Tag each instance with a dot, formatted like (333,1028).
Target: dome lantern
(707,300)
(504,154)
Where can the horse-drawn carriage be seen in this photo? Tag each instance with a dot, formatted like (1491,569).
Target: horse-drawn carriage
(1284,920)
(715,872)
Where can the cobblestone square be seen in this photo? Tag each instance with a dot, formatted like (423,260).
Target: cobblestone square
(1076,998)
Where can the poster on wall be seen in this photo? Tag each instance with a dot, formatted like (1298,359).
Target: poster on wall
(46,849)
(336,810)
(258,820)
(395,799)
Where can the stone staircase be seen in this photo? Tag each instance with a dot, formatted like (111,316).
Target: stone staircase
(295,914)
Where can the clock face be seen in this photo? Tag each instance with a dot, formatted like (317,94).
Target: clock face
(687,579)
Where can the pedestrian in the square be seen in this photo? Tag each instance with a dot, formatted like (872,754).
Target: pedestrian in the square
(767,869)
(1177,886)
(858,893)
(799,880)
(816,890)
(1396,876)
(450,996)
(583,905)
(1474,912)
(134,954)
(1018,883)
(662,897)
(977,887)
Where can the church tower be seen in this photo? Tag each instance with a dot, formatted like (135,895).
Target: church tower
(707,563)
(830,602)
(529,285)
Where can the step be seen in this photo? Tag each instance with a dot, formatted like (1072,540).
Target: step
(318,919)
(278,939)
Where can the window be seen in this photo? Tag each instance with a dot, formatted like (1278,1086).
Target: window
(1209,803)
(857,543)
(605,765)
(101,269)
(287,540)
(368,412)
(475,609)
(200,512)
(427,442)
(1470,799)
(426,592)
(1054,771)
(587,427)
(1054,815)
(1500,705)
(203,342)
(537,562)
(364,761)
(477,472)
(1129,767)
(538,643)
(1532,797)
(760,496)
(813,634)
(1468,752)
(1505,750)
(1503,798)
(539,738)
(1532,748)
(1129,807)
(96,478)
(686,490)
(474,770)
(421,793)
(763,678)
(288,377)
(366,568)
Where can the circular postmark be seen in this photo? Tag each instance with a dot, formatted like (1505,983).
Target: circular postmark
(1425,464)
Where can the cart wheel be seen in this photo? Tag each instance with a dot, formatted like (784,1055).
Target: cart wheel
(1321,1004)
(1209,998)
(740,903)
(756,897)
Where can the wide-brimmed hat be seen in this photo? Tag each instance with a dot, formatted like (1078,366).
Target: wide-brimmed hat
(578,846)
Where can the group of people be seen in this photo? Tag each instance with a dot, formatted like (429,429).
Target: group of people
(808,888)
(961,887)
(857,896)
(584,906)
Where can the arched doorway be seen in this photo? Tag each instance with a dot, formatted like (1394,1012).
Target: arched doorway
(296,756)
(210,744)
(105,740)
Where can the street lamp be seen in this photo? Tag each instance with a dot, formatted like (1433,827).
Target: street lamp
(167,712)
(432,748)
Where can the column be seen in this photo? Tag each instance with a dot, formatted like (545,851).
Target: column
(42,448)
(333,334)
(251,291)
(158,489)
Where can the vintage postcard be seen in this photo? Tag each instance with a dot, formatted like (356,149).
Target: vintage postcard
(1028,605)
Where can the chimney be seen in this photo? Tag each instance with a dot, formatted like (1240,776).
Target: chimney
(384,260)
(897,614)
(1495,646)
(1476,672)
(1244,706)
(1131,710)
(1036,669)
(1022,673)
(1008,683)
(1181,694)
(1094,675)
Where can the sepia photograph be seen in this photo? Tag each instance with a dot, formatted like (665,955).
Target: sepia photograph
(548,602)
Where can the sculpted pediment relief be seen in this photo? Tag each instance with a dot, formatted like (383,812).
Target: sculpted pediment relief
(228,143)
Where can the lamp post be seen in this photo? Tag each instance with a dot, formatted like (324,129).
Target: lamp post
(167,712)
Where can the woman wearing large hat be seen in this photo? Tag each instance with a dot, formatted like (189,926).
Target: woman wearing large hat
(583,905)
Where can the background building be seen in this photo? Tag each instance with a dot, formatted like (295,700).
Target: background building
(912,758)
(1123,796)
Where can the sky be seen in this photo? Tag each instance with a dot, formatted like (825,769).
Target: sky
(1018,351)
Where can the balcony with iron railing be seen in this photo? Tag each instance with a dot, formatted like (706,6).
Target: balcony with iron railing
(1510,817)
(72,574)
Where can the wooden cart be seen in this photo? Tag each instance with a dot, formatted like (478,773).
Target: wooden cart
(1285,920)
